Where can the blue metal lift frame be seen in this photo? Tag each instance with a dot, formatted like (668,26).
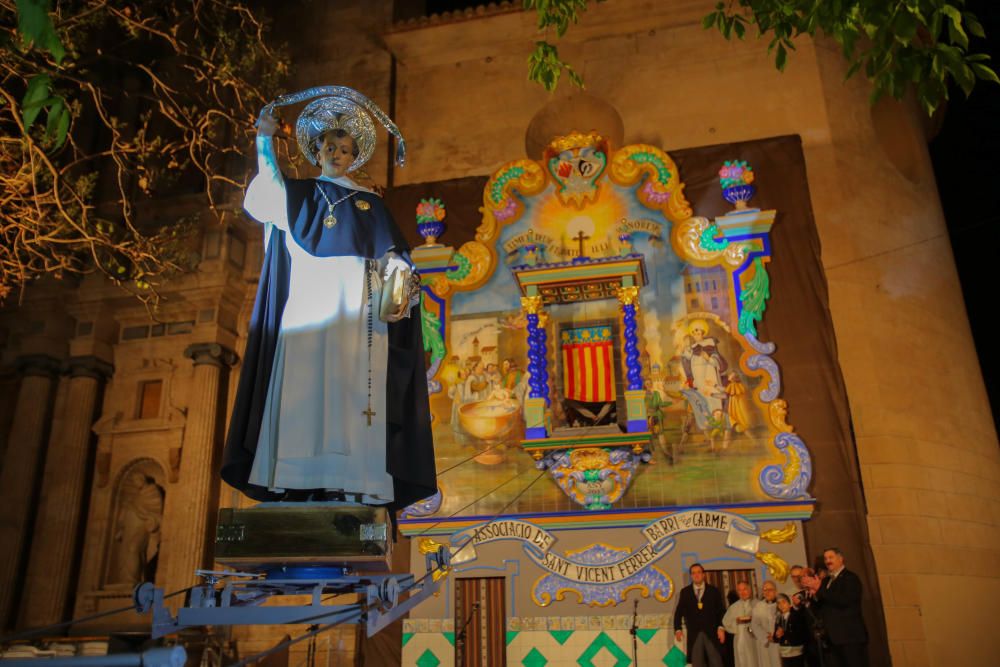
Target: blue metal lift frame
(240,601)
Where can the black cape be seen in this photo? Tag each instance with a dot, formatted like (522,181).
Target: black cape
(367,233)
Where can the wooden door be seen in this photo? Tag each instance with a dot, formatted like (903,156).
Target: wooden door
(480,622)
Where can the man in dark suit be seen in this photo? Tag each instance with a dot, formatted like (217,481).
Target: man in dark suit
(700,607)
(837,603)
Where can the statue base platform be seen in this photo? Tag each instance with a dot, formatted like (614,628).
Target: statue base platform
(279,538)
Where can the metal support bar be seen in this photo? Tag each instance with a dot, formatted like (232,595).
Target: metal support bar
(173,656)
(240,602)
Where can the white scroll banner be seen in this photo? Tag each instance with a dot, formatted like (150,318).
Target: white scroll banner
(537,542)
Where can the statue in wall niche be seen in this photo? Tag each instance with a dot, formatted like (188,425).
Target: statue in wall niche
(332,398)
(135,542)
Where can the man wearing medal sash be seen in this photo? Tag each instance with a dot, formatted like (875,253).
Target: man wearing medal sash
(700,608)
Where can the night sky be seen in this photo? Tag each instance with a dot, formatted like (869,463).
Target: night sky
(965,153)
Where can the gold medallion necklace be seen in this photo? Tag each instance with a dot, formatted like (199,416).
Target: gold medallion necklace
(330,220)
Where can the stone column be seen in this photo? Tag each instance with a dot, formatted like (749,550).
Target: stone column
(635,395)
(54,548)
(198,468)
(19,474)
(538,382)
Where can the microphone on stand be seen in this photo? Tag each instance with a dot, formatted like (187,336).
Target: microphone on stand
(634,632)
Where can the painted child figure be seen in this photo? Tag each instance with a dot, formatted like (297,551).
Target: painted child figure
(332,399)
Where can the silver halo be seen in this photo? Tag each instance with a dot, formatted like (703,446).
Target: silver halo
(335,113)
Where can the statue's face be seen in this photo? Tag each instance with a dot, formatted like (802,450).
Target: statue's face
(336,154)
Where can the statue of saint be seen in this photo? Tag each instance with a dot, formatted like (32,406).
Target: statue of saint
(332,399)
(136,537)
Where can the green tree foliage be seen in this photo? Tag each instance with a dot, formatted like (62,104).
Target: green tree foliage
(106,103)
(544,64)
(896,43)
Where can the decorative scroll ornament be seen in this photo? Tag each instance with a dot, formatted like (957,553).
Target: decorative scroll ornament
(661,189)
(753,298)
(776,565)
(501,205)
(593,477)
(778,414)
(429,546)
(790,481)
(762,361)
(687,239)
(339,108)
(431,327)
(780,535)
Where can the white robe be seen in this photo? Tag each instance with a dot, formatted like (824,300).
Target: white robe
(763,625)
(744,645)
(314,433)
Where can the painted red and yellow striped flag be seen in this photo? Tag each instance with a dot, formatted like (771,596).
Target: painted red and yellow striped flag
(588,364)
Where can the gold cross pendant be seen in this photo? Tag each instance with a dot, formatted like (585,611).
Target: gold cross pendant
(369,413)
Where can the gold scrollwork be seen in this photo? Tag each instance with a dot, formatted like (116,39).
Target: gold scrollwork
(531,305)
(575,140)
(545,598)
(630,163)
(530,181)
(430,546)
(685,237)
(779,535)
(628,296)
(778,412)
(439,284)
(776,565)
(480,262)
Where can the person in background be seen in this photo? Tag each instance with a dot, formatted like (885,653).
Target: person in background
(838,607)
(764,613)
(701,609)
(737,621)
(790,633)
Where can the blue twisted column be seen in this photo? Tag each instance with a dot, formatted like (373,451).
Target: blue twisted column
(538,382)
(635,395)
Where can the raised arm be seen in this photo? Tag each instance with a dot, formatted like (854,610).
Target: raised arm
(265,199)
(729,620)
(267,160)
